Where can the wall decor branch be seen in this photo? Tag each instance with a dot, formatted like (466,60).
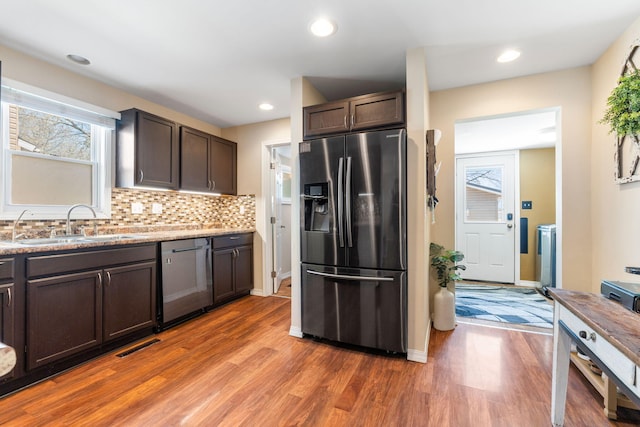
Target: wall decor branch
(623,117)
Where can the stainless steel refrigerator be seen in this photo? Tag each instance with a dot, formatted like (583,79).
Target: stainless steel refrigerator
(353,239)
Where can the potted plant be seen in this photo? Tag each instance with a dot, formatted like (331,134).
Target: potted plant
(445,262)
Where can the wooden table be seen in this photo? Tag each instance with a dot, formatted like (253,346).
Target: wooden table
(605,331)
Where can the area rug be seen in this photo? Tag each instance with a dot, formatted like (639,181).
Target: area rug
(506,304)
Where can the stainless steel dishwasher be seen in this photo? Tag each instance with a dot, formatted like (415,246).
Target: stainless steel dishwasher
(187,286)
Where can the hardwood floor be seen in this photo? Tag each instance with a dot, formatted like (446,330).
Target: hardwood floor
(238,366)
(285,288)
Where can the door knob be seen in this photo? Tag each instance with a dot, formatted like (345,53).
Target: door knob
(509,225)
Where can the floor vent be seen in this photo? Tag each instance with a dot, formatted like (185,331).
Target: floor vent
(138,347)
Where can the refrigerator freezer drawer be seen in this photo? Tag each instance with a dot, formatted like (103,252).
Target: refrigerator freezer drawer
(355,306)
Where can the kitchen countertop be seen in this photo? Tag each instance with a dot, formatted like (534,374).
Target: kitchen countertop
(130,238)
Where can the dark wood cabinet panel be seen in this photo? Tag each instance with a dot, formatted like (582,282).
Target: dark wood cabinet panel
(223,165)
(207,162)
(325,119)
(64,316)
(377,110)
(7,323)
(223,283)
(232,267)
(244,269)
(147,151)
(194,160)
(372,111)
(129,299)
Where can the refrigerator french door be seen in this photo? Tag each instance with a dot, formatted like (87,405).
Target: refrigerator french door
(353,238)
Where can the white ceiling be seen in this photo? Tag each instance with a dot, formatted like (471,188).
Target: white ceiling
(521,131)
(217,60)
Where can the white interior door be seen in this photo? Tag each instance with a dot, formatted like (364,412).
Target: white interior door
(485,216)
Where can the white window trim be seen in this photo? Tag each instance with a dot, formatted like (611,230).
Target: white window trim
(36,98)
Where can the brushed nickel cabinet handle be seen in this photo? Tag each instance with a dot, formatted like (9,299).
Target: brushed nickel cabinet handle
(108,278)
(9,297)
(141,175)
(99,279)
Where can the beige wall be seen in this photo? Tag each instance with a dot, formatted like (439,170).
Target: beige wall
(34,72)
(615,208)
(252,141)
(537,184)
(571,91)
(418,231)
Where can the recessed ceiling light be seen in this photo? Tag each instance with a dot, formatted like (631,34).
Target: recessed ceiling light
(509,55)
(322,27)
(78,59)
(265,106)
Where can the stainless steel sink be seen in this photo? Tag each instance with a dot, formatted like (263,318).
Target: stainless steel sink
(46,242)
(73,239)
(111,237)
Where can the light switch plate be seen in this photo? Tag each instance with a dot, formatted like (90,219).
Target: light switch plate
(156,208)
(241,210)
(137,208)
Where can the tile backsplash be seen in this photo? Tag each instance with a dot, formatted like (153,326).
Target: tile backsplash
(179,211)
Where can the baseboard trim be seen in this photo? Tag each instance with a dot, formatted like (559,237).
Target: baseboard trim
(257,292)
(420,356)
(294,331)
(529,283)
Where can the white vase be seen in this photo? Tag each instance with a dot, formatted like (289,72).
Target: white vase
(444,310)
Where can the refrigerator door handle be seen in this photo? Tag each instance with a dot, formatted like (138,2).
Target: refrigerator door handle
(340,201)
(348,277)
(401,175)
(348,202)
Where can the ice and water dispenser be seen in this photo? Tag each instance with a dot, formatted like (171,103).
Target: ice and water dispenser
(316,207)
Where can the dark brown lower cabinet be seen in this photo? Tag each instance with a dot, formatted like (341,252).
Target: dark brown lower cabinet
(64,316)
(232,267)
(69,312)
(129,297)
(7,324)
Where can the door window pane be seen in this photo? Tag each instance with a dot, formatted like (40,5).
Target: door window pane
(483,194)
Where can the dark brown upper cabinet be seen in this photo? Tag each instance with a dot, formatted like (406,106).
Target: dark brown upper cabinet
(147,151)
(372,111)
(207,162)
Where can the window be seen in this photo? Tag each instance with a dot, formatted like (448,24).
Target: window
(484,194)
(55,153)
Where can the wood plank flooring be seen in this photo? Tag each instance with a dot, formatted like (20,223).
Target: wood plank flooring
(237,366)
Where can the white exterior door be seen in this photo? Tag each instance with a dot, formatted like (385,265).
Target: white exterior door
(485,216)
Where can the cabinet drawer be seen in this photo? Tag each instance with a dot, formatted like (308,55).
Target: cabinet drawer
(619,364)
(6,269)
(232,240)
(69,262)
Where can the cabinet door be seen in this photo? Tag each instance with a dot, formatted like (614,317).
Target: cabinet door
(223,286)
(377,110)
(194,163)
(7,328)
(64,316)
(326,119)
(222,165)
(129,299)
(156,151)
(244,269)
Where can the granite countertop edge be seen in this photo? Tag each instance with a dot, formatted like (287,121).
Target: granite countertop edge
(133,238)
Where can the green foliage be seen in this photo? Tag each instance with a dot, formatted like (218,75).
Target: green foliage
(623,106)
(444,261)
